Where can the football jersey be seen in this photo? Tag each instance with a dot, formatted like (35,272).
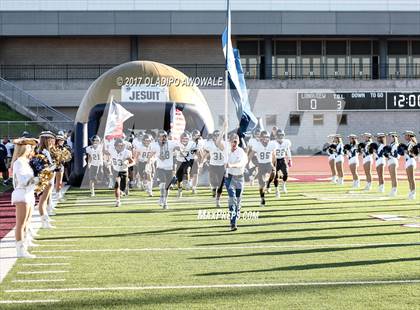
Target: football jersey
(144,152)
(96,155)
(119,160)
(216,155)
(238,156)
(137,144)
(184,152)
(264,153)
(283,149)
(252,142)
(164,154)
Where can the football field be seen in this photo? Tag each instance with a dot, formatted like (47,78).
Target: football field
(317,247)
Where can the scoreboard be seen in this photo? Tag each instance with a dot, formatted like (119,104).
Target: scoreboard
(358,101)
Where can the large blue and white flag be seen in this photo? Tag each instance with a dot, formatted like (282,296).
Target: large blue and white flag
(239,92)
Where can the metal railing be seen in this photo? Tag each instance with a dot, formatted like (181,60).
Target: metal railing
(255,71)
(36,110)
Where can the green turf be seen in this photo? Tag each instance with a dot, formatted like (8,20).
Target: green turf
(15,129)
(296,239)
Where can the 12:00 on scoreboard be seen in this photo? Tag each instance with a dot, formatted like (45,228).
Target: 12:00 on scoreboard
(357,101)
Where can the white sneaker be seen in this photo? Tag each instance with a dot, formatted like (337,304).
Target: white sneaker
(31,232)
(118,204)
(334,179)
(179,195)
(92,194)
(150,193)
(277,193)
(340,181)
(165,206)
(50,212)
(218,203)
(284,189)
(381,188)
(393,192)
(412,195)
(368,187)
(46,223)
(29,244)
(21,251)
(194,190)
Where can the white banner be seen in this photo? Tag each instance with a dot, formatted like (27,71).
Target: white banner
(142,93)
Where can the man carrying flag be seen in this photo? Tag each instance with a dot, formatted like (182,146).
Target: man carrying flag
(235,157)
(121,157)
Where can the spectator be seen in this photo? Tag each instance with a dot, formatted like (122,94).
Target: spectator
(3,167)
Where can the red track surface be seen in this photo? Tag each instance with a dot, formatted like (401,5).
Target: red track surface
(7,215)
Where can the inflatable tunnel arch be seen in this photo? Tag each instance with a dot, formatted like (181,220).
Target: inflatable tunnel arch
(149,113)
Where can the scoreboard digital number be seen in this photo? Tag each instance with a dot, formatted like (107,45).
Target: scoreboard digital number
(358,101)
(341,101)
(403,101)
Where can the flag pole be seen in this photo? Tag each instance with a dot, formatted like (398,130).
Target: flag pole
(107,117)
(227,78)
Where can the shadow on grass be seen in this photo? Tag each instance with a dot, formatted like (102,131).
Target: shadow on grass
(317,266)
(311,250)
(312,238)
(279,231)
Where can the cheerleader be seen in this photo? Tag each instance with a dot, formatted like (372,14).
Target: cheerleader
(353,154)
(23,194)
(46,143)
(330,149)
(364,148)
(393,156)
(410,161)
(339,158)
(60,139)
(380,160)
(95,162)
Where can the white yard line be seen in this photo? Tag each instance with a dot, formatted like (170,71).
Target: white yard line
(41,301)
(39,280)
(46,264)
(220,248)
(53,240)
(212,286)
(52,257)
(42,272)
(8,253)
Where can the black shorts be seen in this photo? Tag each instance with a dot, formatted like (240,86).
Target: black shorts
(282,166)
(95,173)
(3,167)
(264,171)
(182,170)
(123,179)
